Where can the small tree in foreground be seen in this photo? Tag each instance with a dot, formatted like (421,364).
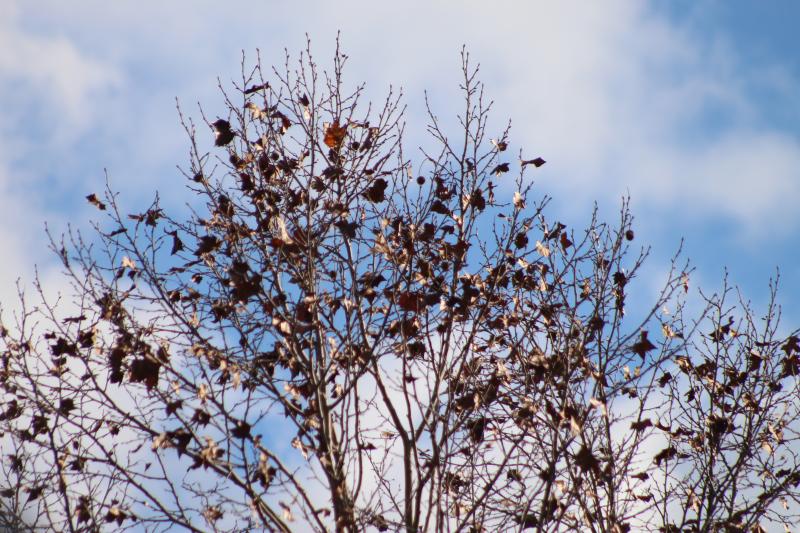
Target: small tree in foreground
(341,338)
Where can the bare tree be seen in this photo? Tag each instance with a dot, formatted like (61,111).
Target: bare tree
(337,337)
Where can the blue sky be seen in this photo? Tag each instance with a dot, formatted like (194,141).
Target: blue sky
(693,107)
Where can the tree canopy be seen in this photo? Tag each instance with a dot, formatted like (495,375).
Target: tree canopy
(341,336)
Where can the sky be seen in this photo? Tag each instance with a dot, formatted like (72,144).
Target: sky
(691,107)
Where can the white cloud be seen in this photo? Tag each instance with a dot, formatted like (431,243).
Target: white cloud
(43,79)
(49,75)
(615,96)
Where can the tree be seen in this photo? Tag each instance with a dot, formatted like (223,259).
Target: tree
(338,337)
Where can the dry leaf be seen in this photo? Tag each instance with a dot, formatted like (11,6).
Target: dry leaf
(543,250)
(127,262)
(334,135)
(519,202)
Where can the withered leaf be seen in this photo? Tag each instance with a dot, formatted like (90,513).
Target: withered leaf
(334,135)
(172,407)
(376,192)
(537,162)
(95,201)
(242,430)
(145,369)
(586,460)
(476,429)
(63,347)
(513,474)
(224,134)
(438,207)
(66,405)
(255,88)
(554,232)
(201,417)
(665,455)
(643,345)
(78,464)
(285,122)
(115,514)
(411,301)
(348,229)
(719,334)
(477,200)
(501,168)
(526,520)
(791,345)
(543,250)
(180,439)
(34,492)
(302,312)
(86,338)
(12,411)
(519,202)
(257,112)
(177,243)
(207,244)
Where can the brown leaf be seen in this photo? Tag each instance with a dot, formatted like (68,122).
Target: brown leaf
(665,455)
(411,301)
(223,132)
(477,200)
(212,514)
(641,425)
(177,243)
(145,369)
(95,201)
(643,345)
(255,88)
(242,430)
(35,492)
(501,168)
(537,162)
(66,405)
(115,514)
(586,460)
(208,243)
(376,192)
(334,135)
